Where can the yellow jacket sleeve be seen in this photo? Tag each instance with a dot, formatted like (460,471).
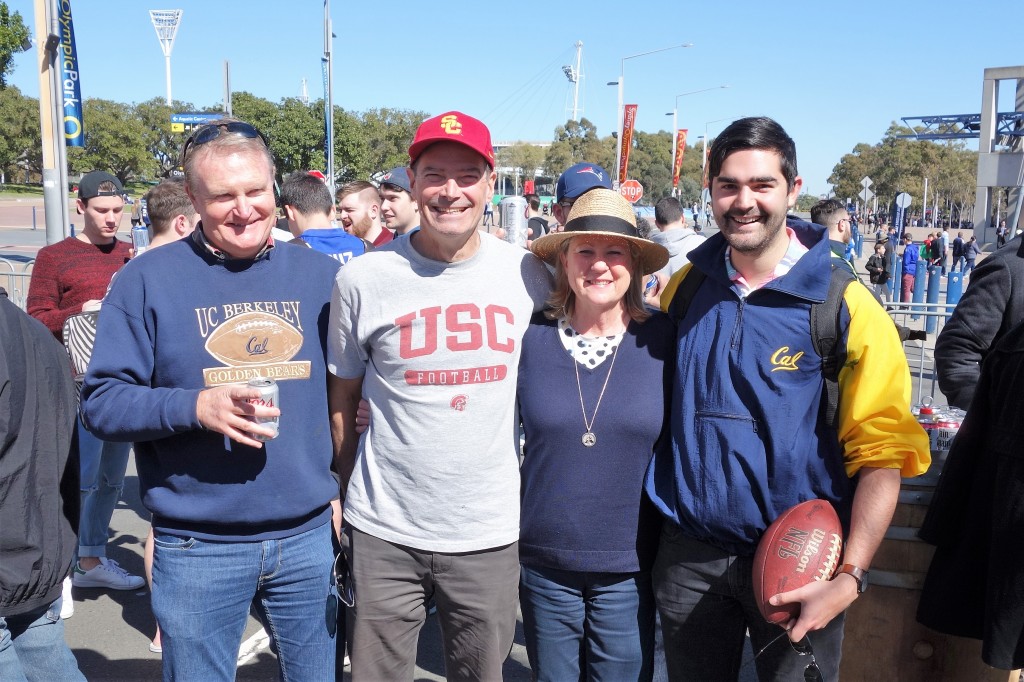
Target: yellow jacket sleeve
(876,427)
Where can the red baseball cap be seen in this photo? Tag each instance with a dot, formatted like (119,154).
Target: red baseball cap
(453,126)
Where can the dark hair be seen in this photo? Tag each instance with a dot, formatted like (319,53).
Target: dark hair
(758,132)
(306,194)
(824,212)
(533,200)
(667,211)
(167,201)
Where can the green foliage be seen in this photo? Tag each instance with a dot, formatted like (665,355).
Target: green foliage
(898,164)
(162,145)
(19,128)
(574,142)
(523,158)
(13,37)
(115,141)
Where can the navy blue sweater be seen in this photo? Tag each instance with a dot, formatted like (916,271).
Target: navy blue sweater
(178,320)
(584,508)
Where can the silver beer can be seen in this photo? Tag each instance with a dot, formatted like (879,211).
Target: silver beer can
(269,397)
(514,219)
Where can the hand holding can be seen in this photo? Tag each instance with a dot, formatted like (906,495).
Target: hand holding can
(269,397)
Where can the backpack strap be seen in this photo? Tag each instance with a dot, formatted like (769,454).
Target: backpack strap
(685,291)
(825,336)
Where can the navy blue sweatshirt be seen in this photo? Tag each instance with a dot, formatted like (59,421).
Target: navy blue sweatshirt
(583,508)
(178,320)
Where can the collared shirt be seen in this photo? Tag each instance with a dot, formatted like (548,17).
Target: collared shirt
(793,253)
(199,238)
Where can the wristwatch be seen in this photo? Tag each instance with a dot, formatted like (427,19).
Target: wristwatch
(858,573)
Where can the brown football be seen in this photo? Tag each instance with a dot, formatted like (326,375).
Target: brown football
(254,338)
(802,545)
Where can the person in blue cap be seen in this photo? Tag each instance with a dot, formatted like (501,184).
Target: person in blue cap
(574,182)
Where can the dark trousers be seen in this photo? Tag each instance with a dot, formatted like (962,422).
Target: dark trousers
(706,603)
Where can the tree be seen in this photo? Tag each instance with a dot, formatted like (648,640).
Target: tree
(14,36)
(901,164)
(376,140)
(162,145)
(574,142)
(19,128)
(297,137)
(115,141)
(522,158)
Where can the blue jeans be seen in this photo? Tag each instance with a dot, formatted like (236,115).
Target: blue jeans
(706,602)
(202,591)
(32,647)
(102,465)
(588,626)
(968,266)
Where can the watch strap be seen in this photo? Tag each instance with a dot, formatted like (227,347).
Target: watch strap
(858,573)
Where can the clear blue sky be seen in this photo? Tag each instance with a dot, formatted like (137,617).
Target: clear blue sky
(833,74)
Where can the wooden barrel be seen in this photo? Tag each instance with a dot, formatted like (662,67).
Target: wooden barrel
(883,640)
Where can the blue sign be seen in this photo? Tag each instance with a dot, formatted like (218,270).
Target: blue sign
(196,118)
(74,132)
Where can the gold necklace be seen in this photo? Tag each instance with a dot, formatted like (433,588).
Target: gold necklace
(589,439)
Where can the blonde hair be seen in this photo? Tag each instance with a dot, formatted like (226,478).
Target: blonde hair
(562,301)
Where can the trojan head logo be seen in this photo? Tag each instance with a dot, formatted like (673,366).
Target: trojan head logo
(590,169)
(450,124)
(459,403)
(782,360)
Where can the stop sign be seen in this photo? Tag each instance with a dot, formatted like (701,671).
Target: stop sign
(631,190)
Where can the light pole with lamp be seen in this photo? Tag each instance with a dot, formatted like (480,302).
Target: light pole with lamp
(618,117)
(675,124)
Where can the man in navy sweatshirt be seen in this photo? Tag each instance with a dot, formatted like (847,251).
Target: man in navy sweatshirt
(240,516)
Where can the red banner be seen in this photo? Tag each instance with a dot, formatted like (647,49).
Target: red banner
(626,135)
(677,162)
(704,180)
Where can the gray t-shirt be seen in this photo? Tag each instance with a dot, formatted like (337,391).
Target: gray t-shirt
(437,345)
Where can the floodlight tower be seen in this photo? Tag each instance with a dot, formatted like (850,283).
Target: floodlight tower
(166,21)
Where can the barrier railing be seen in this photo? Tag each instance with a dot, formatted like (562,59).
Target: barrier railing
(15,277)
(930,317)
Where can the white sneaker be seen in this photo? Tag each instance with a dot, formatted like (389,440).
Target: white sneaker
(108,574)
(67,604)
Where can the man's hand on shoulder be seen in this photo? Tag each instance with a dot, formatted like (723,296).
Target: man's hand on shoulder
(227,410)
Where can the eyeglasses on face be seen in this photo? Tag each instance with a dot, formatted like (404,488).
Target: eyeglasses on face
(214,130)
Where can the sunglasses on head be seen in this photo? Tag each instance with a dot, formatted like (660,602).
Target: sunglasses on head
(212,131)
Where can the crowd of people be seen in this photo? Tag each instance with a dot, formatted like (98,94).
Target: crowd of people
(426,449)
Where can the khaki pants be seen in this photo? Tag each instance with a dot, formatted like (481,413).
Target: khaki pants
(476,595)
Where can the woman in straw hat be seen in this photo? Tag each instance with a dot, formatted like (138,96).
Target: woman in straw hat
(592,403)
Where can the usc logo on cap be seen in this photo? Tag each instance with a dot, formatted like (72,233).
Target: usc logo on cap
(450,124)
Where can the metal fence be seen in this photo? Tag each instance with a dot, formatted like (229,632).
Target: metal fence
(930,317)
(14,277)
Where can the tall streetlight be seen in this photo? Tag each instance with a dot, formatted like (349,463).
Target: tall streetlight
(675,124)
(166,21)
(618,118)
(704,152)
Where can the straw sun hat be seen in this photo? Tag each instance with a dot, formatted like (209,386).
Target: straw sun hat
(602,212)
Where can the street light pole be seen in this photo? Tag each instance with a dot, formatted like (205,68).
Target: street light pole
(675,124)
(618,118)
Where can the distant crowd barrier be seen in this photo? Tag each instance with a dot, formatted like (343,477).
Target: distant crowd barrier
(14,277)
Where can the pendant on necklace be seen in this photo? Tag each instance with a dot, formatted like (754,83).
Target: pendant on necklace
(589,439)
